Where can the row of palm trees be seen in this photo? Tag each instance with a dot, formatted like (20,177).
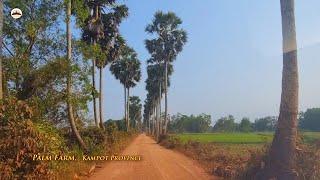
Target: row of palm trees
(103,45)
(164,48)
(168,43)
(102,29)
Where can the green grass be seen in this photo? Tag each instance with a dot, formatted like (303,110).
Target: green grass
(239,138)
(310,137)
(233,138)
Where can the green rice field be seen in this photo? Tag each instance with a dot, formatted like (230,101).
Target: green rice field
(239,138)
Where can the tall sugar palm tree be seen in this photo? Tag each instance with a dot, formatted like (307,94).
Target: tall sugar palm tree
(281,162)
(103,30)
(169,41)
(154,86)
(127,70)
(111,44)
(1,39)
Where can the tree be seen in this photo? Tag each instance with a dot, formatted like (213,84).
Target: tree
(310,120)
(155,86)
(169,41)
(102,31)
(69,80)
(245,125)
(1,37)
(265,124)
(127,70)
(282,152)
(225,124)
(111,44)
(193,123)
(135,111)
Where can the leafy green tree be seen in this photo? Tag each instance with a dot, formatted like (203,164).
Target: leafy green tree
(35,62)
(265,124)
(245,125)
(29,42)
(69,79)
(167,44)
(310,120)
(225,124)
(193,123)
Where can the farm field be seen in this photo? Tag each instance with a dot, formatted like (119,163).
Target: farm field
(239,138)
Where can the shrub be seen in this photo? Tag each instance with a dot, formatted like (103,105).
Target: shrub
(170,142)
(111,129)
(93,137)
(20,140)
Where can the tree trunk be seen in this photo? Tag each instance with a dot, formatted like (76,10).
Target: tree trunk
(149,119)
(157,119)
(1,39)
(69,81)
(93,78)
(125,104)
(128,110)
(282,152)
(161,120)
(94,92)
(101,98)
(166,96)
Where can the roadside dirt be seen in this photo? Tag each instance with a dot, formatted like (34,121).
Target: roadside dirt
(157,163)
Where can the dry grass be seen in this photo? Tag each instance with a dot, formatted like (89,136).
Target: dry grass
(242,161)
(80,169)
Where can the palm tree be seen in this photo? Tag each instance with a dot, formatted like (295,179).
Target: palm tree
(103,30)
(92,32)
(154,86)
(111,43)
(1,39)
(127,70)
(167,45)
(282,152)
(69,80)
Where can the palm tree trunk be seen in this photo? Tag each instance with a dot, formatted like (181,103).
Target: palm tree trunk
(149,119)
(125,104)
(128,110)
(282,152)
(1,39)
(101,98)
(161,120)
(69,81)
(166,95)
(157,119)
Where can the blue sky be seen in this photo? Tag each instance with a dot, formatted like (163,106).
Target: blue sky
(232,62)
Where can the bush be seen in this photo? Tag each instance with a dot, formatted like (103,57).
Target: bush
(20,139)
(93,137)
(308,162)
(111,129)
(170,142)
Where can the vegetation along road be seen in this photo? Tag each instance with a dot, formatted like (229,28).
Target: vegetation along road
(157,163)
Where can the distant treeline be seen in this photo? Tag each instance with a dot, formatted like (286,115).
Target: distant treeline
(308,121)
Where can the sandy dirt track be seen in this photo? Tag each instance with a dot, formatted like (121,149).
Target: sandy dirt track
(157,163)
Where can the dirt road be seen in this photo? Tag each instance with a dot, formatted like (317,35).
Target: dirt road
(157,163)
